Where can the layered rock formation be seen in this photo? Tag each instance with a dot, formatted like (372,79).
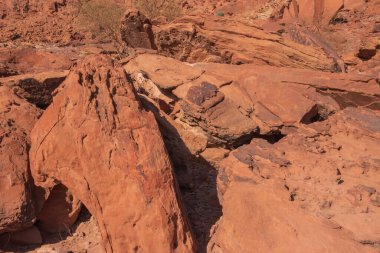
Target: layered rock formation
(230,41)
(230,104)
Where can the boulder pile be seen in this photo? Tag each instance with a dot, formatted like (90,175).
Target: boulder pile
(238,127)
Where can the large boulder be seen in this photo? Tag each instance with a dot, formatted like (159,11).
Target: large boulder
(97,141)
(17,118)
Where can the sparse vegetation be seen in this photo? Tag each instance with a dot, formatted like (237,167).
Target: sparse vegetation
(102,19)
(155,8)
(219,14)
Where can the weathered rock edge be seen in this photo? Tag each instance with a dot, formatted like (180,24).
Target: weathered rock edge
(97,140)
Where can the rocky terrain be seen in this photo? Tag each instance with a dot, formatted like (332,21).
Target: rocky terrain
(214,126)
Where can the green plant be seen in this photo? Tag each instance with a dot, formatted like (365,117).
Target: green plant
(155,8)
(219,14)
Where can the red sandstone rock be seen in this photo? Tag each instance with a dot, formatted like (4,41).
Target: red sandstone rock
(295,151)
(277,105)
(35,88)
(354,4)
(29,236)
(230,104)
(60,211)
(229,41)
(17,118)
(30,60)
(96,140)
(310,182)
(136,30)
(314,11)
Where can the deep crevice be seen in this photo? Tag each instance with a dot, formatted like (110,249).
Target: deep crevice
(317,113)
(196,180)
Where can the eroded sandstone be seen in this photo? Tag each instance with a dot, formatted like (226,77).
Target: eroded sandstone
(17,118)
(97,140)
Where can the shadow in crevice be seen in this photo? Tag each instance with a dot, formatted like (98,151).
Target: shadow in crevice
(196,179)
(56,237)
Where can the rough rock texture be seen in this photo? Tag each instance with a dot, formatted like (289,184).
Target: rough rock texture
(35,88)
(11,7)
(17,118)
(271,151)
(258,9)
(136,30)
(275,187)
(97,141)
(27,59)
(229,41)
(222,108)
(60,211)
(37,21)
(231,104)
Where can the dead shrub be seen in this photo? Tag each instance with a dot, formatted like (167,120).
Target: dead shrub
(102,19)
(155,8)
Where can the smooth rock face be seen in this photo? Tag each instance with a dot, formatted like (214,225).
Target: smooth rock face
(29,236)
(97,141)
(17,117)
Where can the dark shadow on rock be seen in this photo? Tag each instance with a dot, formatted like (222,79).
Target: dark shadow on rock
(196,179)
(6,245)
(52,238)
